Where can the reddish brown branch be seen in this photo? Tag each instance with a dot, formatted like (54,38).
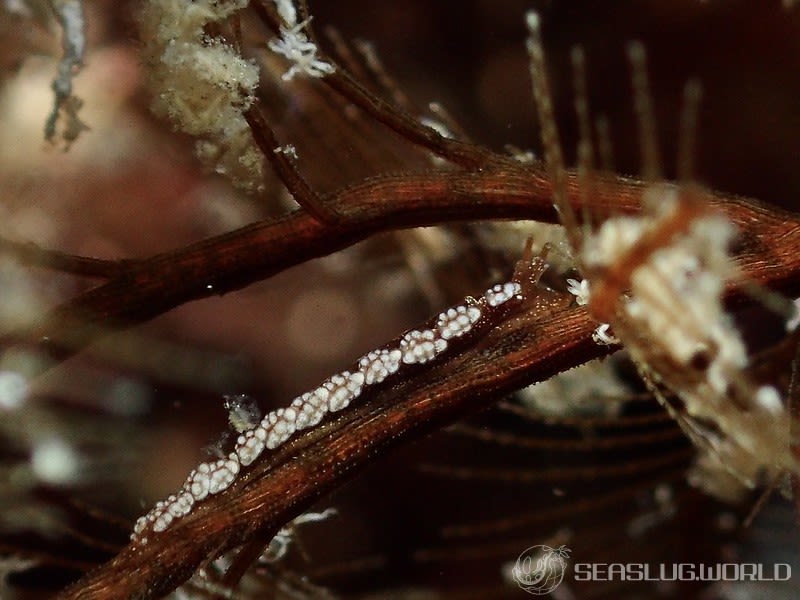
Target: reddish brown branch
(769,243)
(285,169)
(31,254)
(545,337)
(461,153)
(524,348)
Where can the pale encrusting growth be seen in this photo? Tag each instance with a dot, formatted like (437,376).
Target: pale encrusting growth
(670,317)
(658,279)
(309,409)
(594,388)
(201,84)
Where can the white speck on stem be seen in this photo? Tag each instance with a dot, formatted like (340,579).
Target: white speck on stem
(287,150)
(602,336)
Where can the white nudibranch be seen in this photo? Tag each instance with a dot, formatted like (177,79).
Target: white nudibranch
(307,410)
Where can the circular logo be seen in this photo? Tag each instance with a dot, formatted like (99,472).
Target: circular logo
(540,569)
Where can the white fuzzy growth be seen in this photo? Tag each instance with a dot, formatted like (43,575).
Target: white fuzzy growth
(455,322)
(421,346)
(676,297)
(216,86)
(672,320)
(301,52)
(379,364)
(502,293)
(201,84)
(614,238)
(579,289)
(243,413)
(603,337)
(168,20)
(287,12)
(287,150)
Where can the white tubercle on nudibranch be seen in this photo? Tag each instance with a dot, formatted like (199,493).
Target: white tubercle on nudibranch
(421,346)
(198,482)
(379,364)
(502,293)
(250,444)
(176,506)
(307,410)
(343,388)
(455,322)
(223,472)
(279,426)
(311,407)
